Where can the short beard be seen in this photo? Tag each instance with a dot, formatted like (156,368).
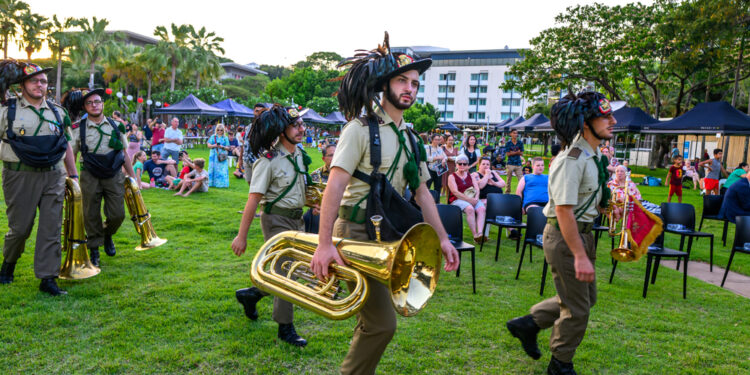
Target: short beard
(393,99)
(95,115)
(591,127)
(30,94)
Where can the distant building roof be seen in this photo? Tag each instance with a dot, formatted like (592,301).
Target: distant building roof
(135,38)
(245,68)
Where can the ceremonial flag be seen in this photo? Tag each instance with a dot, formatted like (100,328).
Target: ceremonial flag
(643,228)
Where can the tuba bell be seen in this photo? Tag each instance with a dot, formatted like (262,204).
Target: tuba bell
(77,264)
(140,216)
(409,267)
(623,252)
(314,194)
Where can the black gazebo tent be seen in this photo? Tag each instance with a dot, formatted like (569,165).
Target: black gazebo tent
(233,108)
(191,106)
(310,116)
(336,118)
(530,124)
(705,118)
(450,127)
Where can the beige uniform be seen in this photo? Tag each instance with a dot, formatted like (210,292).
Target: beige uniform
(376,322)
(27,189)
(94,190)
(271,177)
(573,180)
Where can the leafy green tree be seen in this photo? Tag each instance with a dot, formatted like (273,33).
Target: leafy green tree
(204,62)
(11,12)
(320,61)
(209,95)
(245,87)
(323,105)
(174,45)
(303,85)
(93,43)
(34,28)
(539,107)
(59,39)
(275,71)
(424,117)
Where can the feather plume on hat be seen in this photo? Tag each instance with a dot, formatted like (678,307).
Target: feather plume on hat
(570,113)
(267,127)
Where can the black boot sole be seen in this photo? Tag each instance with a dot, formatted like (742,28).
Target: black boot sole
(250,311)
(516,334)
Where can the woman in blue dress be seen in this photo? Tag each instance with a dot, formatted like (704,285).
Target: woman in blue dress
(218,171)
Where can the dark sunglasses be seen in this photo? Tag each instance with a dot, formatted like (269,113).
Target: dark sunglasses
(462,163)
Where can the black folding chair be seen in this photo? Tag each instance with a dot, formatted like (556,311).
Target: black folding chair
(599,229)
(658,251)
(503,205)
(453,222)
(711,207)
(684,214)
(435,196)
(741,237)
(535,222)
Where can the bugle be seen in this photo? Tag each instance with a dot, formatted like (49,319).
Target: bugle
(140,216)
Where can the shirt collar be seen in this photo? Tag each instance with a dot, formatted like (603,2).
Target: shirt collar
(387,119)
(584,145)
(90,123)
(25,103)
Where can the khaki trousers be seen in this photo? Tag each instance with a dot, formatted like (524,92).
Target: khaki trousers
(271,225)
(511,170)
(567,312)
(93,191)
(24,193)
(376,322)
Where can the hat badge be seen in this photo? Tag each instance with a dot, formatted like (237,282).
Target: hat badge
(293,112)
(30,69)
(404,60)
(604,106)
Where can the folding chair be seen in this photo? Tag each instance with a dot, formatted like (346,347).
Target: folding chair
(503,205)
(453,221)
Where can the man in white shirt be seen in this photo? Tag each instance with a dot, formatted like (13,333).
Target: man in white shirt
(172,141)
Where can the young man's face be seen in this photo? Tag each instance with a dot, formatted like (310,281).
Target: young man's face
(538,167)
(678,161)
(402,89)
(295,132)
(602,126)
(514,135)
(257,111)
(36,86)
(93,105)
(718,155)
(155,156)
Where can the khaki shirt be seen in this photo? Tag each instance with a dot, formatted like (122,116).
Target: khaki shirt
(573,179)
(29,121)
(321,174)
(271,177)
(94,137)
(353,153)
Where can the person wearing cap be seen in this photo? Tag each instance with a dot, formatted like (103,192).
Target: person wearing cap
(34,175)
(280,177)
(344,205)
(577,194)
(246,153)
(102,144)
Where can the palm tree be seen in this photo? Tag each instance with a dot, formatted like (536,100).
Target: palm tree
(59,40)
(204,62)
(120,63)
(10,16)
(175,47)
(33,29)
(152,63)
(93,43)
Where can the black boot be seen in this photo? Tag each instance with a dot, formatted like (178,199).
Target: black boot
(248,297)
(94,256)
(50,286)
(525,329)
(109,246)
(557,367)
(6,272)
(289,334)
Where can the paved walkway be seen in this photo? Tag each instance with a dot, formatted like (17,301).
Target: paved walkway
(737,283)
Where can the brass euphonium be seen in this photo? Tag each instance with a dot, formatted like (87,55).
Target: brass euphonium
(314,194)
(622,253)
(77,264)
(140,216)
(409,267)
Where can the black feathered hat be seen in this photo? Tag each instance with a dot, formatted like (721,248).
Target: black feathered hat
(73,100)
(268,126)
(570,113)
(368,72)
(30,70)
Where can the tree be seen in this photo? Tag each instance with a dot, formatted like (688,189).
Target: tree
(539,107)
(275,71)
(174,46)
(59,40)
(153,64)
(303,85)
(424,117)
(245,87)
(34,28)
(11,12)
(93,43)
(204,62)
(320,61)
(324,105)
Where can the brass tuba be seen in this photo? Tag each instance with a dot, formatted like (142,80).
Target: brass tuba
(409,267)
(140,216)
(314,194)
(77,264)
(622,253)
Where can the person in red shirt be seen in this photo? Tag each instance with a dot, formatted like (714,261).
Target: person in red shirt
(674,179)
(158,136)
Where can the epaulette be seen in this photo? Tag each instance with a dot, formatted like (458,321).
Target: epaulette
(269,155)
(574,153)
(76,124)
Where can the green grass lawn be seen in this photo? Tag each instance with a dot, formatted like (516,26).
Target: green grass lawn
(172,310)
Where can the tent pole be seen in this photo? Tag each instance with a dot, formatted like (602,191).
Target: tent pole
(744,154)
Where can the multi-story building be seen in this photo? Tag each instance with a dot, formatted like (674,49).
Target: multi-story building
(237,71)
(465,85)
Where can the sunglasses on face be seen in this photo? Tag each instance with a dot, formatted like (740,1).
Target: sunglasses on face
(462,164)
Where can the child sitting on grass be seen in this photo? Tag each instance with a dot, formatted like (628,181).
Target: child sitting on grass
(674,179)
(197,180)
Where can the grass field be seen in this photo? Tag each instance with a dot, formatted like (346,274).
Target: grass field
(172,310)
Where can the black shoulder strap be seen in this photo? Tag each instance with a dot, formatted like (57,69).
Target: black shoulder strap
(375,147)
(11,117)
(114,126)
(82,140)
(57,116)
(417,152)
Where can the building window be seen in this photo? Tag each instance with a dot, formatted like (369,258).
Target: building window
(507,115)
(476,89)
(446,115)
(421,77)
(476,115)
(449,89)
(479,76)
(421,89)
(475,101)
(513,102)
(444,101)
(448,76)
(509,76)
(420,100)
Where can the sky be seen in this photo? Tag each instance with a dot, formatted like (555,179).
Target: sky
(284,32)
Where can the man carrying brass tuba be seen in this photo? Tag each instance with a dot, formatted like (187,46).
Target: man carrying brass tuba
(401,158)
(278,185)
(102,143)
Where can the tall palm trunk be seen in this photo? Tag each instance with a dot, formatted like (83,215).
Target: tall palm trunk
(58,77)
(92,70)
(174,73)
(148,95)
(197,81)
(5,46)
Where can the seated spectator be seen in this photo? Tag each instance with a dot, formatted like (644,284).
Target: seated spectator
(195,181)
(138,159)
(158,169)
(489,181)
(498,163)
(463,191)
(526,167)
(187,167)
(234,145)
(693,174)
(735,200)
(620,183)
(532,188)
(626,164)
(737,174)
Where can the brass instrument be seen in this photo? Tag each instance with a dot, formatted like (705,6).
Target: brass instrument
(77,264)
(409,267)
(469,192)
(622,253)
(314,194)
(140,216)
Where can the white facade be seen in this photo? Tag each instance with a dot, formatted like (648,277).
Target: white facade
(465,86)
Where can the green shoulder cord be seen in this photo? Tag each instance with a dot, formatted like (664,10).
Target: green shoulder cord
(42,120)
(114,142)
(602,186)
(411,172)
(297,171)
